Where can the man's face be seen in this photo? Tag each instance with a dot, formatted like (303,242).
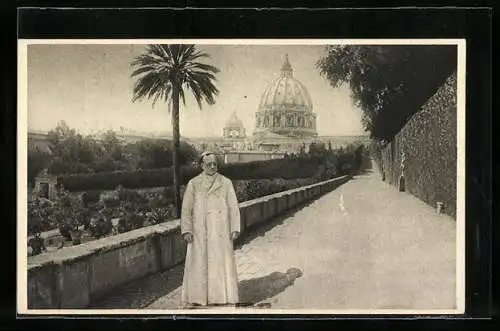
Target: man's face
(209,165)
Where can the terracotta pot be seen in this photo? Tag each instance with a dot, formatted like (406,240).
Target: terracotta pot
(77,237)
(402,186)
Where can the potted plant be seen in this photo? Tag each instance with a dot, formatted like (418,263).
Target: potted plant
(76,230)
(68,214)
(35,219)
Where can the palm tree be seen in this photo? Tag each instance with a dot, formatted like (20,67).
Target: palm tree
(163,72)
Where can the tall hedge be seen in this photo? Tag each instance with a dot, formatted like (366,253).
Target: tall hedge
(429,141)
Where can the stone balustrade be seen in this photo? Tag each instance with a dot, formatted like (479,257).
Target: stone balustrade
(75,276)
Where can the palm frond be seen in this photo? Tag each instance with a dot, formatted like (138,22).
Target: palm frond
(163,65)
(181,94)
(202,87)
(197,55)
(198,96)
(202,67)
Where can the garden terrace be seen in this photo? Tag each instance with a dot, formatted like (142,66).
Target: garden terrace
(73,277)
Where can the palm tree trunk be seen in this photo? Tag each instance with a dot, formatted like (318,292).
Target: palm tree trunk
(175,124)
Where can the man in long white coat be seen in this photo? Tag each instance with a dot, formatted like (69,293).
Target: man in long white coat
(210,222)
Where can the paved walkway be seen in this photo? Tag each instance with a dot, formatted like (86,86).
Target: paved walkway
(363,246)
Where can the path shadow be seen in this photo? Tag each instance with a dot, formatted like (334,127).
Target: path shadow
(260,230)
(141,293)
(253,291)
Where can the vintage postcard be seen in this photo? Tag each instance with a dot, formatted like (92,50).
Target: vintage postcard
(183,176)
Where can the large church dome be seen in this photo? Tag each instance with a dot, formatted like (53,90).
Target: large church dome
(286,108)
(286,92)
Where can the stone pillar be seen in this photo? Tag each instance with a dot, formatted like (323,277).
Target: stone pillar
(300,122)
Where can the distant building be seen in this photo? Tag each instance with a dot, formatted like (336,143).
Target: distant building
(234,128)
(38,140)
(284,123)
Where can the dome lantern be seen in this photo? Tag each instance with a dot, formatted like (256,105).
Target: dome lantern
(286,69)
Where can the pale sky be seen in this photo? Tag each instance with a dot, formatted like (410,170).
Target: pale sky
(90,88)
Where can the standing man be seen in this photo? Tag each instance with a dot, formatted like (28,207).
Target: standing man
(210,222)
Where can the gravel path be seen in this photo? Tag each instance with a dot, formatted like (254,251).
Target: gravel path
(362,246)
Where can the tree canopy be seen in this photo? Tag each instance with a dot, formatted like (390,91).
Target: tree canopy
(73,153)
(388,82)
(163,67)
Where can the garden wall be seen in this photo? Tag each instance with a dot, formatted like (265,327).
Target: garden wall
(429,141)
(73,277)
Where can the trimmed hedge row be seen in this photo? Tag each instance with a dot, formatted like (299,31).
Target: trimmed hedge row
(278,168)
(128,179)
(270,169)
(256,188)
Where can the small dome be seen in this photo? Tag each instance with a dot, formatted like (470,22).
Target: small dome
(234,122)
(286,92)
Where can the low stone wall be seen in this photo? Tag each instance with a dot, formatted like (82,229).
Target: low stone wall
(75,276)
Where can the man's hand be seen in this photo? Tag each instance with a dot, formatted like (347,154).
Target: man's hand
(234,235)
(188,236)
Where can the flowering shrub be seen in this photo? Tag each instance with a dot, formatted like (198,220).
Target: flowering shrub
(68,211)
(39,211)
(159,215)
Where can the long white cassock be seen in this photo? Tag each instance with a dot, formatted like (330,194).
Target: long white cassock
(210,212)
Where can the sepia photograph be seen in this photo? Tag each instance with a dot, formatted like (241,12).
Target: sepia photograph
(224,176)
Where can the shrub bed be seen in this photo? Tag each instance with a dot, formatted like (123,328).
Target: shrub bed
(121,201)
(130,209)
